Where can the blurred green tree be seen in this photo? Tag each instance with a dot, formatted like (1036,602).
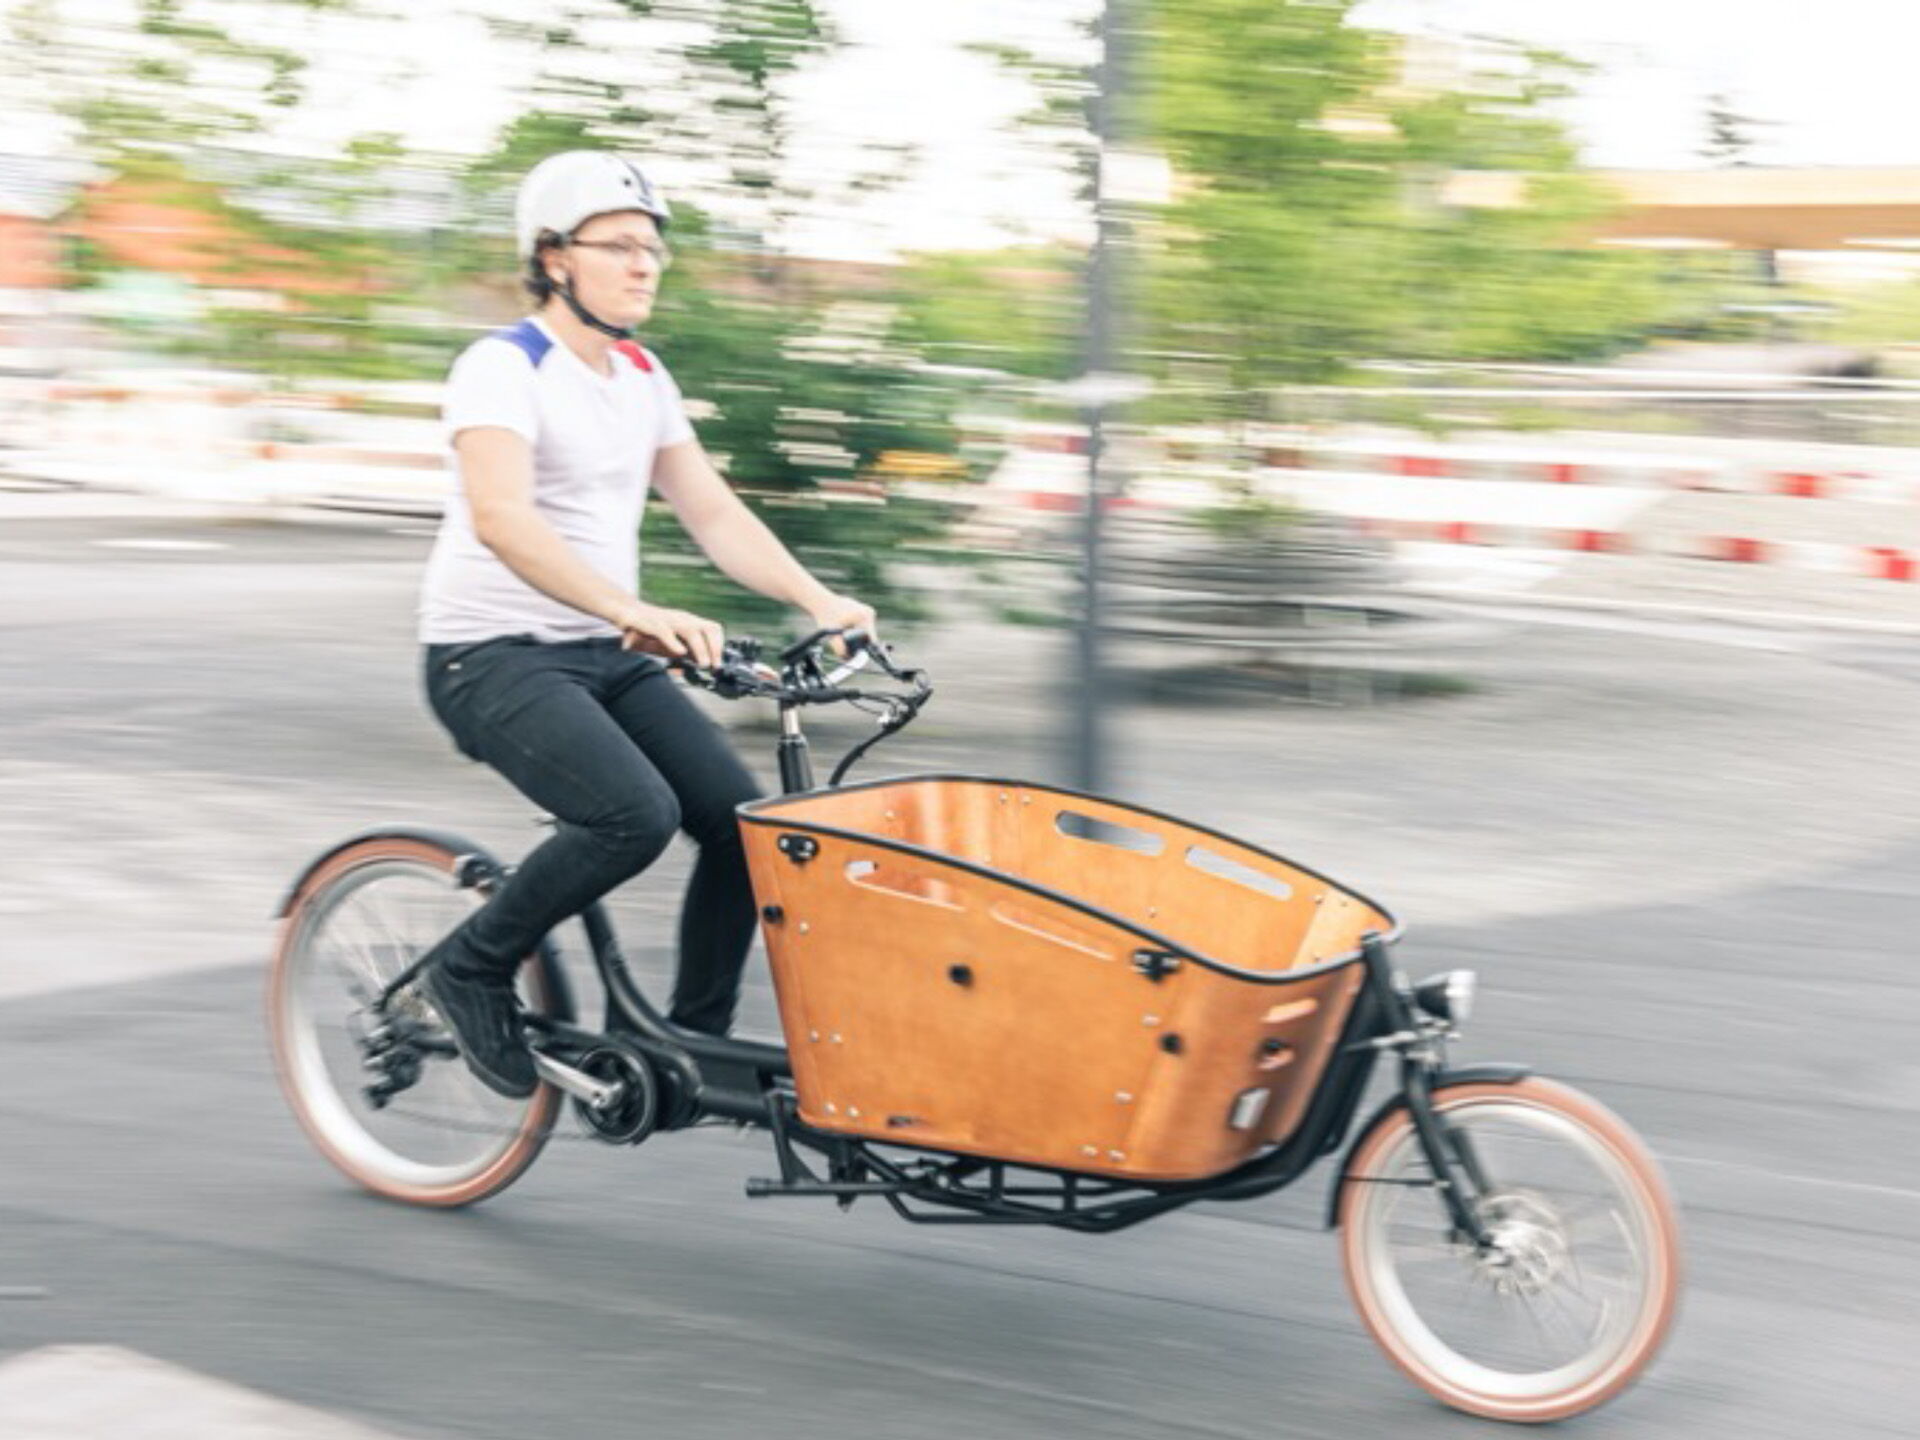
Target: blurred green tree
(1016,310)
(181,75)
(807,397)
(374,249)
(1314,226)
(181,107)
(1311,225)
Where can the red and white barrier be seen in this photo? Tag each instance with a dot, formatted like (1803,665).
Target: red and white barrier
(1878,562)
(1563,467)
(1570,513)
(1195,451)
(377,446)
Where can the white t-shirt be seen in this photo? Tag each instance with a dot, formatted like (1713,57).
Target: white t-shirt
(594,438)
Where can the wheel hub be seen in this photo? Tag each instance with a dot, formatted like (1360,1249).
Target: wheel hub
(1527,1250)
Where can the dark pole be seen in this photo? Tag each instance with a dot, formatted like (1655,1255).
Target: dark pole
(1089,757)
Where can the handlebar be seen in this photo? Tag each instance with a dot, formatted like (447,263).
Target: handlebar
(853,639)
(804,678)
(806,675)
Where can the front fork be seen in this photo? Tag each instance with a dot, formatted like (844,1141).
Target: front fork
(1457,1172)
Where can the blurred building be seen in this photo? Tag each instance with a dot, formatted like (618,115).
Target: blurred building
(187,230)
(29,254)
(30,272)
(1864,213)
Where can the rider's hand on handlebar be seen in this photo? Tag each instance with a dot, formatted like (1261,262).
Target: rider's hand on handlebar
(840,612)
(671,634)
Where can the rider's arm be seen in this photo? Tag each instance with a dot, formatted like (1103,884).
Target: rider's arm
(496,474)
(732,536)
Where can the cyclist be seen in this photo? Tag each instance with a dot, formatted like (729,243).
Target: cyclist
(540,655)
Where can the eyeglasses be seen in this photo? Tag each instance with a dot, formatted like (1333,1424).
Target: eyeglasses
(628,250)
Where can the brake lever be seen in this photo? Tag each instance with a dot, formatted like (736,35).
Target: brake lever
(882,655)
(799,648)
(740,672)
(853,664)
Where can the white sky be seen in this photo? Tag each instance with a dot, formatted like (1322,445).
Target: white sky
(1836,78)
(905,76)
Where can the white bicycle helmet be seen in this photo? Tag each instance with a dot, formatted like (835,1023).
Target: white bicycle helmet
(563,191)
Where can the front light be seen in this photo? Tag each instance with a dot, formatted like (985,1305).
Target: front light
(1447,997)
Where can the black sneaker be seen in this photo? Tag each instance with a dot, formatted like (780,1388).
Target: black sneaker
(484,1019)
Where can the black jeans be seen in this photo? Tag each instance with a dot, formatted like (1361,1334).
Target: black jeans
(604,741)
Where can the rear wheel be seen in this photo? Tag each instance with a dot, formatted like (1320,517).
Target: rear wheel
(1578,1289)
(384,1096)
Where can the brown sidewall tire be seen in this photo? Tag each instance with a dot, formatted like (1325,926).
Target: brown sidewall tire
(536,1123)
(1644,1172)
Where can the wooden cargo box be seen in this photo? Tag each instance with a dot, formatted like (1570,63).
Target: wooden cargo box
(1007,970)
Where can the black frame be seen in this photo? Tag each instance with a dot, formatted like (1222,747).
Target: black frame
(750,1083)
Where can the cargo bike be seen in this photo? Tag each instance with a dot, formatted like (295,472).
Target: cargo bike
(1006,1003)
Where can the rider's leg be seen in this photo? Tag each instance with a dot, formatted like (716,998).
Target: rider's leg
(545,730)
(708,779)
(530,711)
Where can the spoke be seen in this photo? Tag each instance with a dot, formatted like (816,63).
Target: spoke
(358,950)
(1603,1291)
(469,1101)
(1626,1277)
(1527,1307)
(1603,1220)
(1589,1205)
(349,981)
(400,950)
(1584,1331)
(1476,1288)
(1575,1277)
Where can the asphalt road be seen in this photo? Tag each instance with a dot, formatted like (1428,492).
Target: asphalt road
(1686,863)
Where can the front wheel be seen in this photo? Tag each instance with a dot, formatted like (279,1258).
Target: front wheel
(382,1093)
(1577,1290)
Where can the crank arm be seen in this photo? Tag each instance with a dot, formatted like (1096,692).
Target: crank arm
(596,1094)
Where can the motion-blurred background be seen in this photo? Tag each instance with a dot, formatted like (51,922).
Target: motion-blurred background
(1504,418)
(1666,259)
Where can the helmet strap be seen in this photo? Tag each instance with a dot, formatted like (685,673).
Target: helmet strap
(586,317)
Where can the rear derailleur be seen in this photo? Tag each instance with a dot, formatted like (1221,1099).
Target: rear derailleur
(392,1051)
